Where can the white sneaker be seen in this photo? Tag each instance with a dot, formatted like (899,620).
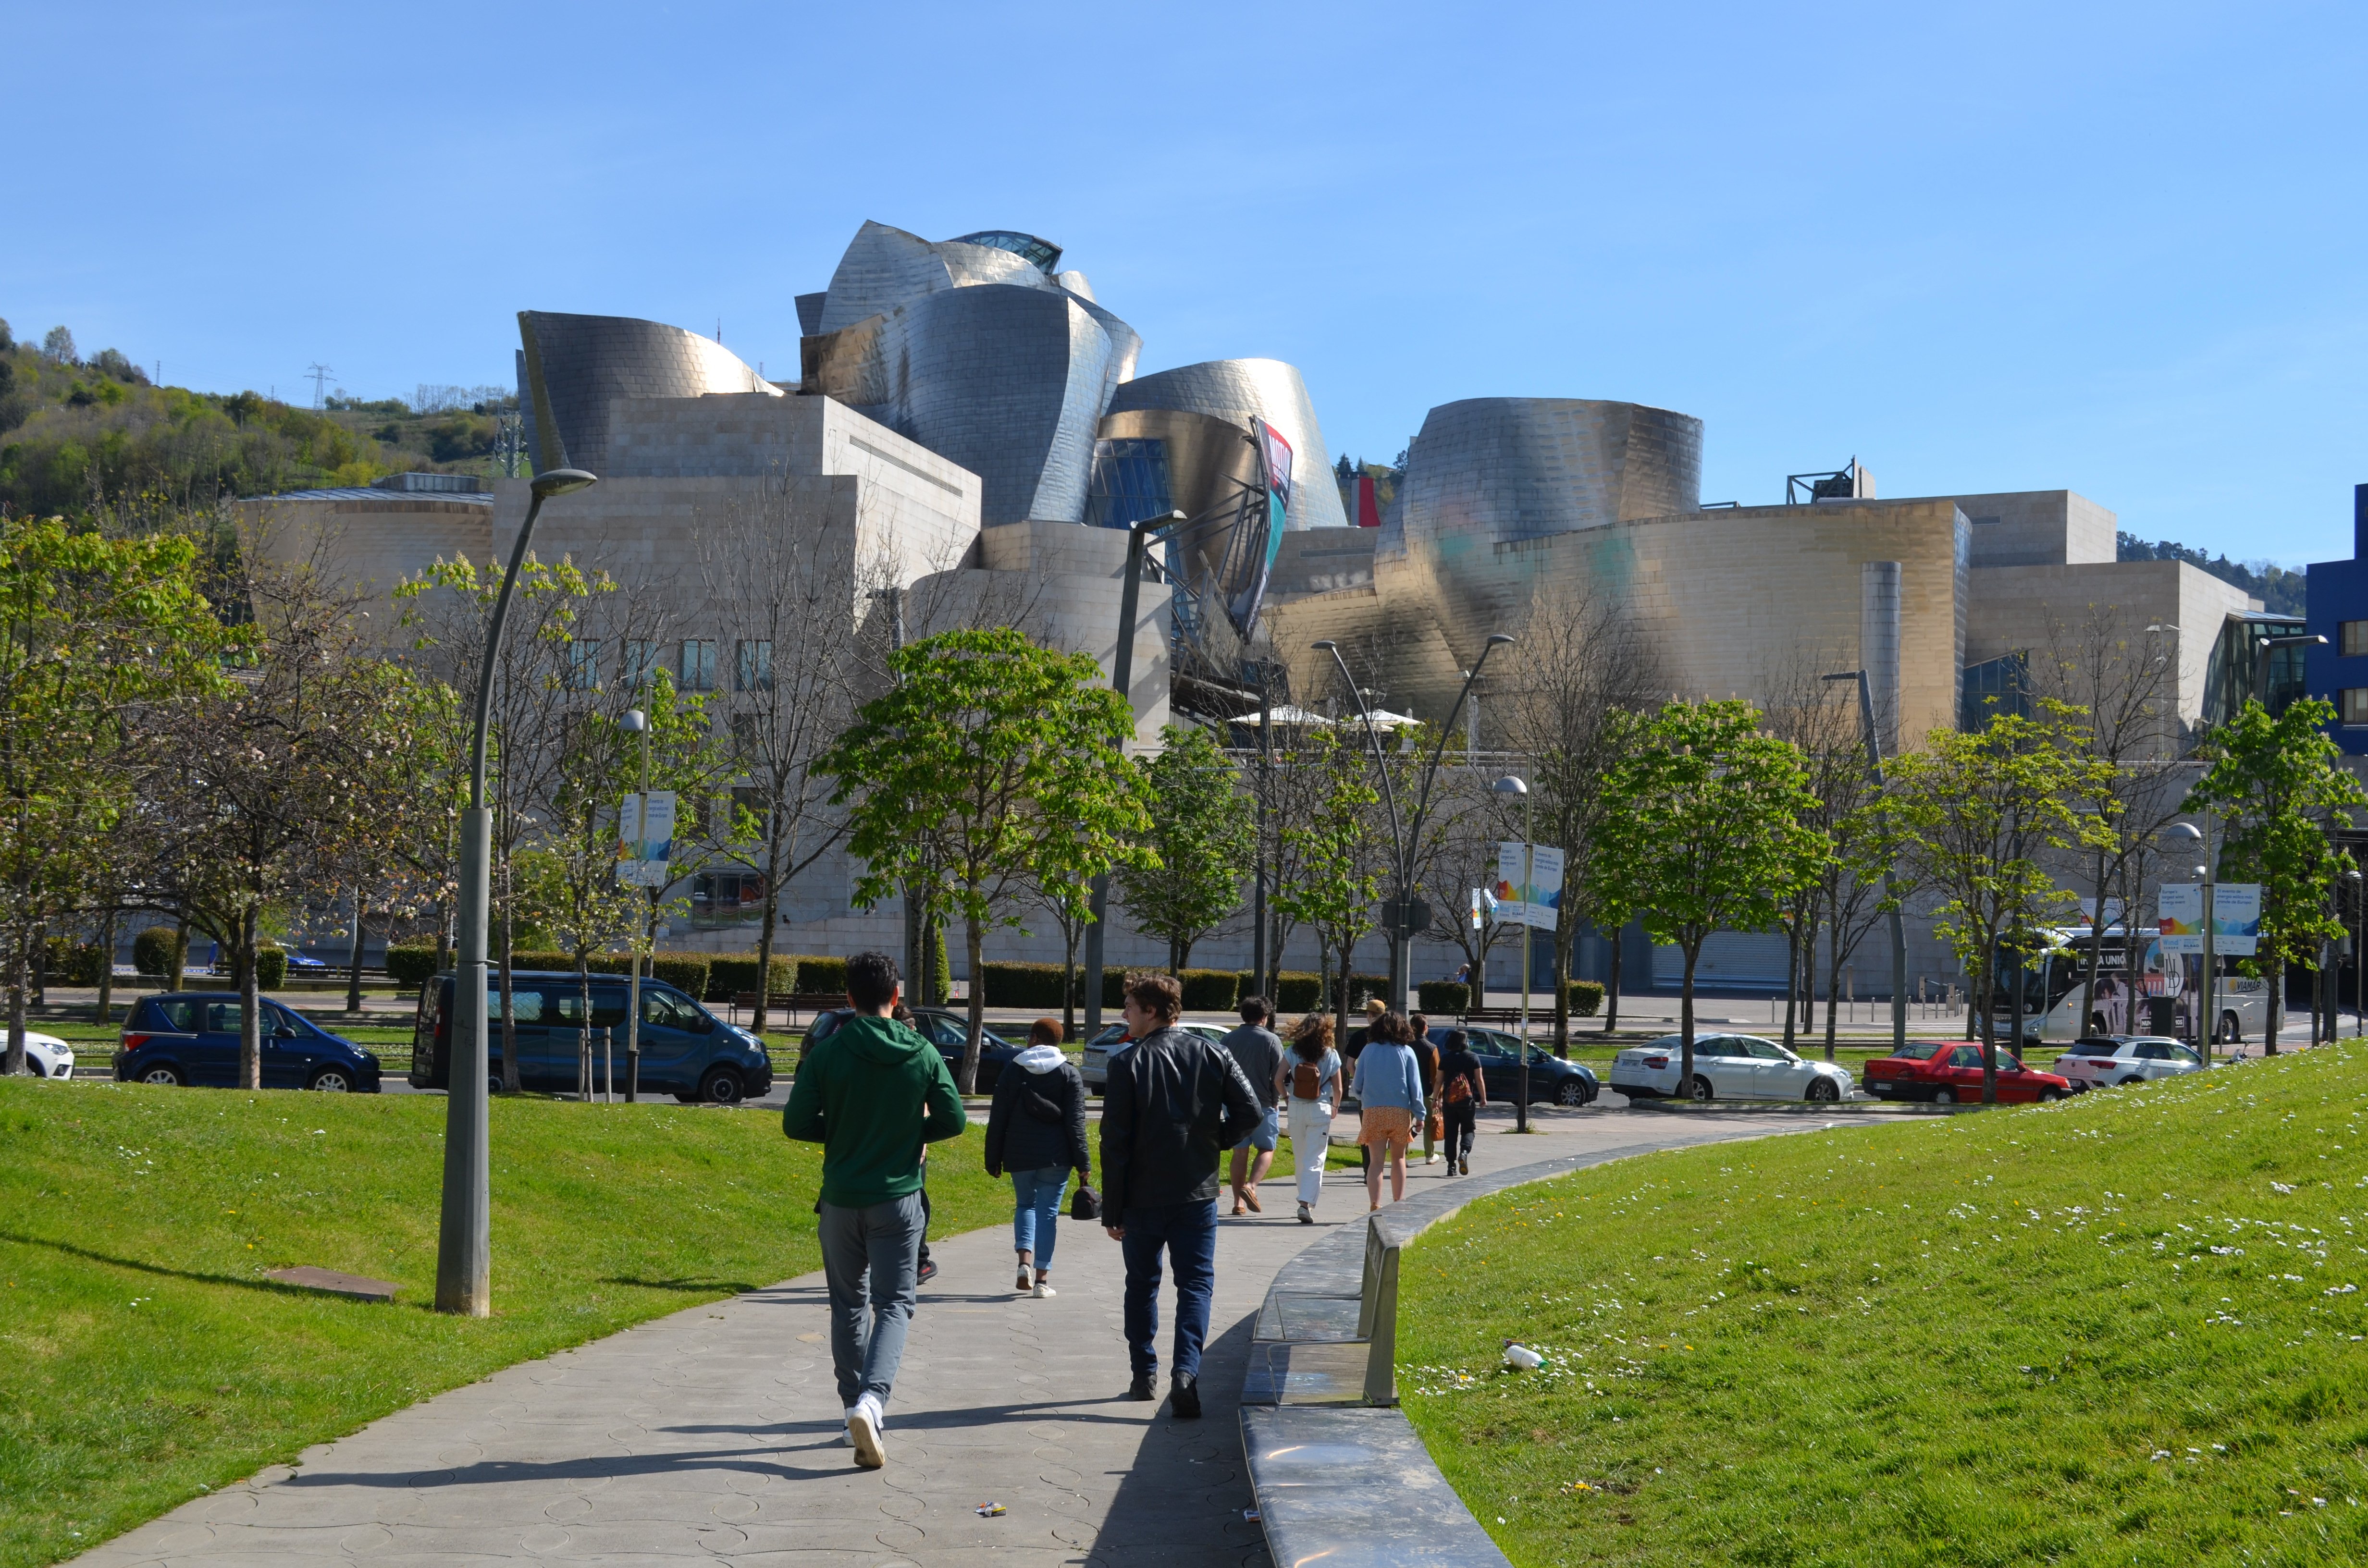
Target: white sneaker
(863,1426)
(1043,1290)
(1430,1159)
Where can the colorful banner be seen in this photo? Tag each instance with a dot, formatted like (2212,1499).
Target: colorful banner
(1536,902)
(645,839)
(2235,919)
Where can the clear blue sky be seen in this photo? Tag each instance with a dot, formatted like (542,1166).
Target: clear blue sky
(2117,248)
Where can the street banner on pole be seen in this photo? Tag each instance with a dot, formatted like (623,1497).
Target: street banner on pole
(2179,916)
(645,839)
(2236,919)
(1537,902)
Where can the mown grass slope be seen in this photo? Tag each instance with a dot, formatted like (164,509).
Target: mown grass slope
(142,1355)
(2126,1329)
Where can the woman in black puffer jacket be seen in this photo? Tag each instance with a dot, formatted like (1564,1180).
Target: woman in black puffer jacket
(1037,1131)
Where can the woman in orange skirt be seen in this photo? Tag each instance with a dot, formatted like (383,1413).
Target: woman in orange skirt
(1389,1086)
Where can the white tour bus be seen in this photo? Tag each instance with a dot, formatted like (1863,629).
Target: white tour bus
(2052,986)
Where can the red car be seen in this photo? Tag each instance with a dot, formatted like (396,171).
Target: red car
(1948,1071)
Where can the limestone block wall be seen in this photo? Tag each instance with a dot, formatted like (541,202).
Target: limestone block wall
(370,545)
(2037,528)
(2023,607)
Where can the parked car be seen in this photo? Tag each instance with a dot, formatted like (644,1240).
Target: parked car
(1728,1067)
(2104,1060)
(1094,1068)
(191,1037)
(1948,1071)
(685,1051)
(1551,1078)
(946,1029)
(47,1056)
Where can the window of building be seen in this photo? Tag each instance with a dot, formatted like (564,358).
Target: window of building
(641,662)
(2352,701)
(1991,688)
(745,737)
(726,898)
(584,664)
(2353,638)
(698,668)
(1129,483)
(751,801)
(755,670)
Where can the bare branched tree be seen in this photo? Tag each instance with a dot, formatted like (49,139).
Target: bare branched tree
(1580,663)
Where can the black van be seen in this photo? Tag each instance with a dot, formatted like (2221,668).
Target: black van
(687,1052)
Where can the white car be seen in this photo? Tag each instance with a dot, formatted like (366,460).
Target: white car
(1726,1067)
(2105,1061)
(46,1056)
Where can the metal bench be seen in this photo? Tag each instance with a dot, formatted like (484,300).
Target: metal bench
(790,1005)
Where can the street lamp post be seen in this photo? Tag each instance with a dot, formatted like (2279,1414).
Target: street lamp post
(1898,930)
(2206,1024)
(464,1240)
(1509,785)
(2358,953)
(1407,835)
(638,722)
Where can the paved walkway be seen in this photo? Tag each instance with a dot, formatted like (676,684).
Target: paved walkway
(713,1434)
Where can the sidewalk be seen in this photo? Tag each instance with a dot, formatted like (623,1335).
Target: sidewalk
(714,1433)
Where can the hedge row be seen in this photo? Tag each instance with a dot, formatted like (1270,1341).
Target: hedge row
(711,977)
(1581,998)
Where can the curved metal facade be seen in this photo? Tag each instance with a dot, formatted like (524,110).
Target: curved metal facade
(1237,390)
(1494,469)
(571,366)
(973,351)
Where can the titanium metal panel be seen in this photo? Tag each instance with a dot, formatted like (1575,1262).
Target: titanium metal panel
(1495,470)
(571,365)
(1237,390)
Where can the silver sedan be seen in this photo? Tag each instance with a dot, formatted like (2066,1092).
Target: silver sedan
(1726,1067)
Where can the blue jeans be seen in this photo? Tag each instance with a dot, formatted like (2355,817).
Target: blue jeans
(1188,1231)
(1036,1212)
(870,1257)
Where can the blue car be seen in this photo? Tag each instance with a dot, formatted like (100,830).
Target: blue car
(191,1037)
(1551,1078)
(687,1052)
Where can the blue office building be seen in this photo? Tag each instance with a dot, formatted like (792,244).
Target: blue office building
(2338,612)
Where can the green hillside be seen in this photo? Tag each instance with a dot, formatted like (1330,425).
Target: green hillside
(2123,1329)
(79,435)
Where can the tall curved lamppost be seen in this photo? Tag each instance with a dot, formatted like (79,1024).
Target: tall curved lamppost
(464,1243)
(1398,913)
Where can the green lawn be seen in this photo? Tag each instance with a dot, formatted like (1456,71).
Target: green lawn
(142,1357)
(2120,1330)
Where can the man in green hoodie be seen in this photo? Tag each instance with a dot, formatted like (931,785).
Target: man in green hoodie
(871,1094)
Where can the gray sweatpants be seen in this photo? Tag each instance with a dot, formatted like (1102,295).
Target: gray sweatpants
(869,1258)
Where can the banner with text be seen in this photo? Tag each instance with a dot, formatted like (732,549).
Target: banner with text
(2235,919)
(645,839)
(1534,901)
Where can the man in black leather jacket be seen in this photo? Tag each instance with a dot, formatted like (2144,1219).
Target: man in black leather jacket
(1174,1105)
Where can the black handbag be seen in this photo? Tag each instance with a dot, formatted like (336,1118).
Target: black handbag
(1085,1203)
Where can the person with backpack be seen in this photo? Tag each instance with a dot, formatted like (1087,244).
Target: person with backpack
(873,1094)
(1427,1055)
(1257,1050)
(1309,1080)
(1463,1090)
(1388,1086)
(1036,1129)
(1174,1104)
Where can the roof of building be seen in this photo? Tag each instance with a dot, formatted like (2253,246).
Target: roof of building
(359,493)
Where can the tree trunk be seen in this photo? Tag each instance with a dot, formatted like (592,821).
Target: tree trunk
(180,955)
(107,967)
(972,1048)
(509,1013)
(250,1014)
(1340,995)
(41,966)
(443,937)
(1792,979)
(584,1021)
(764,945)
(2097,955)
(1560,971)
(354,975)
(1833,983)
(1685,1019)
(1989,1007)
(1611,992)
(1069,980)
(15,1057)
(2277,967)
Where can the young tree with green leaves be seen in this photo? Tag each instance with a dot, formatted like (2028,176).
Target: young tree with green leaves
(998,761)
(100,642)
(1203,841)
(1978,815)
(2274,785)
(1713,831)
(1341,855)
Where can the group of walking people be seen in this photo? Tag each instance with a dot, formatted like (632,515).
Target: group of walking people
(875,1093)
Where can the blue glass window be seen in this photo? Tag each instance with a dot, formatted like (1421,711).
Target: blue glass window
(1129,483)
(1993,686)
(1044,254)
